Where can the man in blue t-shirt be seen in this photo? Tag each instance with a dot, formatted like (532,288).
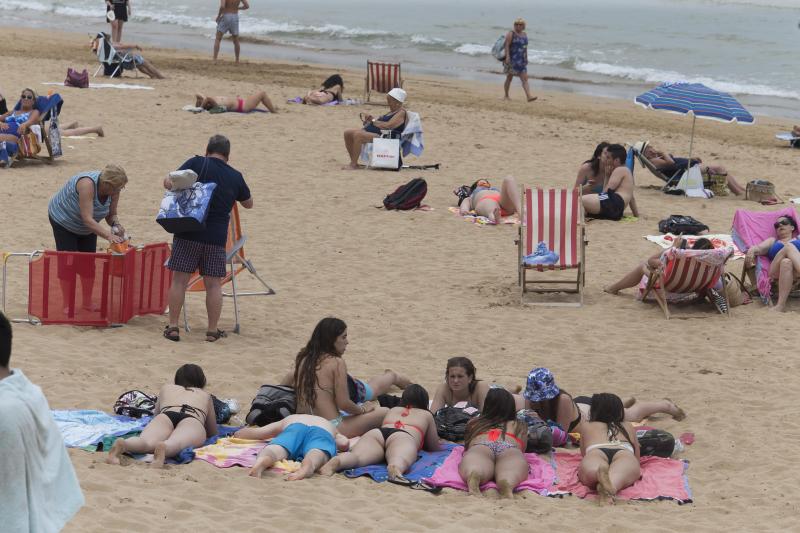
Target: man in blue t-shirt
(205,250)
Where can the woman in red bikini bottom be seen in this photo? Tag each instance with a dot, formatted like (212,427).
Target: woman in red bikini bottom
(490,202)
(234,103)
(494,445)
(405,431)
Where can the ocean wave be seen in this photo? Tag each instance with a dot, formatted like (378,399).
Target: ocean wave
(471,49)
(774,4)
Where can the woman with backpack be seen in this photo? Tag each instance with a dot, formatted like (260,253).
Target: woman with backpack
(405,430)
(494,446)
(609,448)
(515,62)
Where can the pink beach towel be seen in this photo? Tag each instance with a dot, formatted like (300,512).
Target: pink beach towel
(540,475)
(661,479)
(230,451)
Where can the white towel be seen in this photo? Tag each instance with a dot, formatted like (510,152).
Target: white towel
(39,492)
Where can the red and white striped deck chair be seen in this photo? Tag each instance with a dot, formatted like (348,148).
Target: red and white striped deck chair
(688,272)
(381,78)
(555,217)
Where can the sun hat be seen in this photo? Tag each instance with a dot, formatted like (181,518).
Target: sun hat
(640,147)
(541,386)
(398,94)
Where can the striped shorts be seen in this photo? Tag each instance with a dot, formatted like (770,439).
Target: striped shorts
(190,256)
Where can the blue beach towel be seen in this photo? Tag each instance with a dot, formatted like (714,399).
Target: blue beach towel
(186,455)
(86,427)
(425,465)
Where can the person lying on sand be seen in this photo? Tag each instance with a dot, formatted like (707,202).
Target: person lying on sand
(185,418)
(672,166)
(330,91)
(609,448)
(235,103)
(310,439)
(405,430)
(488,201)
(394,120)
(617,192)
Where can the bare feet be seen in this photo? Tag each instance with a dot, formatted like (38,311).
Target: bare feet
(117,450)
(262,464)
(676,412)
(330,468)
(532,98)
(474,484)
(605,489)
(351,166)
(198,100)
(159,455)
(399,380)
(304,472)
(496,217)
(506,490)
(100,132)
(629,402)
(394,472)
(778,308)
(609,290)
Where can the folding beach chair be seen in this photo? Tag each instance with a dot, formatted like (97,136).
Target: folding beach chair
(794,140)
(686,273)
(411,141)
(751,228)
(555,217)
(108,56)
(669,182)
(381,78)
(49,108)
(237,263)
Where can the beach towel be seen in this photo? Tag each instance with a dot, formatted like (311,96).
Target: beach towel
(83,427)
(39,490)
(540,474)
(219,109)
(187,455)
(483,221)
(424,467)
(719,240)
(231,451)
(346,101)
(662,479)
(93,85)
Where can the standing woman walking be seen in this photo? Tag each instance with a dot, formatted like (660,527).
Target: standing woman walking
(516,61)
(122,11)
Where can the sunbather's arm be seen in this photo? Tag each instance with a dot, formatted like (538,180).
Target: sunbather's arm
(439,395)
(343,401)
(758,249)
(431,443)
(634,208)
(507,59)
(262,433)
(221,10)
(33,119)
(211,419)
(247,204)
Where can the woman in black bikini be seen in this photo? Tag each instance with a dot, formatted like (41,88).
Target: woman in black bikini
(185,418)
(330,91)
(405,430)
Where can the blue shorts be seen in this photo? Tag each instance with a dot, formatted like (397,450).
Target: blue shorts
(364,392)
(13,129)
(299,439)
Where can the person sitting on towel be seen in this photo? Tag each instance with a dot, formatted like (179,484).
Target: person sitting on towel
(235,103)
(39,489)
(491,202)
(618,190)
(672,166)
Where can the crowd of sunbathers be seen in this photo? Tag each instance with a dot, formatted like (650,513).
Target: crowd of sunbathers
(335,429)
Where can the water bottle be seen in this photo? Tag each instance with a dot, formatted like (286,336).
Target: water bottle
(679,447)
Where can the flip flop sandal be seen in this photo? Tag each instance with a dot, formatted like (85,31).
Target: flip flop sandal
(415,485)
(169,331)
(215,335)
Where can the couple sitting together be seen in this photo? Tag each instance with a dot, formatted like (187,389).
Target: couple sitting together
(607,183)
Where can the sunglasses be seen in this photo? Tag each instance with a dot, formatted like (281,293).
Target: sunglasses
(782,222)
(26,97)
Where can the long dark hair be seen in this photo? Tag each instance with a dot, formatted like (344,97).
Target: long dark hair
(594,162)
(498,409)
(319,346)
(190,375)
(415,396)
(608,408)
(469,368)
(333,80)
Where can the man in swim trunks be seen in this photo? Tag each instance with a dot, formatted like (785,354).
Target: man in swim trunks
(618,189)
(307,438)
(228,22)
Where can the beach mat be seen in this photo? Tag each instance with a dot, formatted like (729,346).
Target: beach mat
(424,467)
(230,451)
(662,479)
(483,221)
(129,86)
(90,429)
(540,474)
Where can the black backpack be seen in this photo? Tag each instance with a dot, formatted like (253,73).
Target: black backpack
(677,224)
(655,442)
(451,422)
(135,404)
(540,435)
(272,403)
(408,196)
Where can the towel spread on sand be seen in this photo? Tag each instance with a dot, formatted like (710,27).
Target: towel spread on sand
(481,220)
(231,451)
(219,109)
(662,479)
(106,85)
(346,101)
(425,465)
(719,240)
(540,474)
(84,427)
(187,455)
(39,489)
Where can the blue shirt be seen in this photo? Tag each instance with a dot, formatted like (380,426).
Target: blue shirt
(231,188)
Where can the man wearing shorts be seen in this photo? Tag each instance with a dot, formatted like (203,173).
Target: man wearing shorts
(617,190)
(205,250)
(228,22)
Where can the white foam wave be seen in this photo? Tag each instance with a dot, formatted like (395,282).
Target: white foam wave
(471,49)
(657,76)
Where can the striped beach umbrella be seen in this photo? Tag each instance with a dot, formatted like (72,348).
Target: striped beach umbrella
(697,100)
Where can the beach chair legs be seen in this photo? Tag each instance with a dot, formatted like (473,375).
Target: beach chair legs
(660,295)
(6,256)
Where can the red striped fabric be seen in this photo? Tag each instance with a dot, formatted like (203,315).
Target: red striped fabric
(684,274)
(552,216)
(383,77)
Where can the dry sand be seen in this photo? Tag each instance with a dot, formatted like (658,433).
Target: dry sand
(414,287)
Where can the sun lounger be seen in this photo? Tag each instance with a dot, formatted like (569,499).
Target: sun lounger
(381,78)
(794,140)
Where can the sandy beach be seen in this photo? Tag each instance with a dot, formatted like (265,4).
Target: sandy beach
(415,288)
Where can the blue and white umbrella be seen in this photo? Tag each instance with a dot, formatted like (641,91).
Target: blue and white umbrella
(697,100)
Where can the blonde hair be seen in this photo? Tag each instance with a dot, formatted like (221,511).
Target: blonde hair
(520,21)
(114,176)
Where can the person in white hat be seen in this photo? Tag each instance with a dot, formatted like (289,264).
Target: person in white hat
(394,120)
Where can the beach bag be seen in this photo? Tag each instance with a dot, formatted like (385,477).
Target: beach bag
(54,136)
(272,403)
(135,404)
(655,442)
(29,144)
(499,48)
(733,291)
(682,224)
(761,191)
(451,422)
(77,79)
(221,409)
(540,435)
(408,196)
(186,210)
(385,153)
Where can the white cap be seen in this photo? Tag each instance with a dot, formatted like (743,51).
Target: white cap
(398,94)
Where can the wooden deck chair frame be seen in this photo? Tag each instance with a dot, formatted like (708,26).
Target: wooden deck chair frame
(387,80)
(112,58)
(655,285)
(237,263)
(574,284)
(668,182)
(43,121)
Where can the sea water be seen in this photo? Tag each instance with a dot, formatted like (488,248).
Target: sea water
(603,47)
